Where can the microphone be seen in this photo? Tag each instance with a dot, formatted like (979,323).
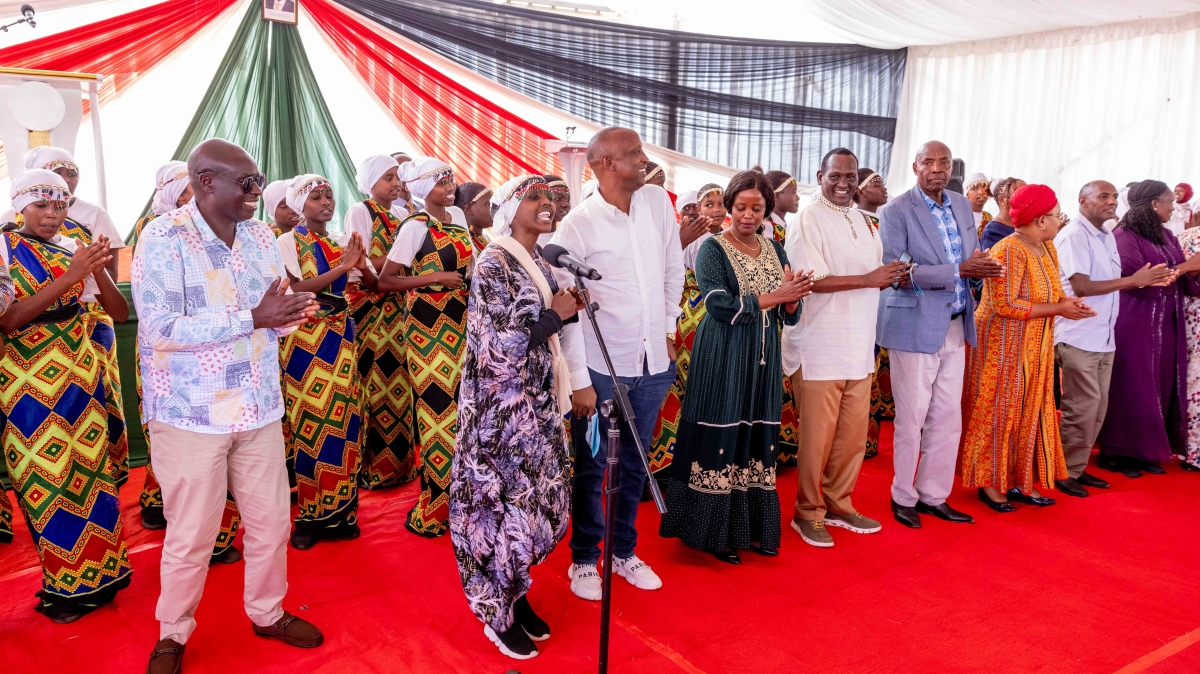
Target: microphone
(558,256)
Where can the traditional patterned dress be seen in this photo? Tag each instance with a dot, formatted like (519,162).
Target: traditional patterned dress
(666,427)
(100,328)
(789,421)
(722,489)
(1010,426)
(55,437)
(436,343)
(883,407)
(151,496)
(510,488)
(1189,241)
(387,451)
(321,396)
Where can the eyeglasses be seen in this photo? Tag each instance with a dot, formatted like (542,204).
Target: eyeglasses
(259,179)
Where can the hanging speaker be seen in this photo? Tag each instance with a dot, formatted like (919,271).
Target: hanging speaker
(958,173)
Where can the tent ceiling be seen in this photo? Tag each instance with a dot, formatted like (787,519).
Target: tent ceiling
(888,23)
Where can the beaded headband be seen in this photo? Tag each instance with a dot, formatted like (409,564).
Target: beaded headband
(438,174)
(789,181)
(705,193)
(869,179)
(56,164)
(315,184)
(485,192)
(653,172)
(44,192)
(177,176)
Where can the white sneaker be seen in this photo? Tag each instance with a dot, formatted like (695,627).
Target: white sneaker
(638,573)
(585,581)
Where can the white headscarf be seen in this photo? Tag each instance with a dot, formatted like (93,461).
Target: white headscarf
(977,179)
(35,185)
(686,199)
(422,174)
(507,200)
(372,169)
(299,189)
(170,182)
(588,188)
(273,195)
(49,158)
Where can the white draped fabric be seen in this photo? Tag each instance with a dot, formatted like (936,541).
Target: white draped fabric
(1117,102)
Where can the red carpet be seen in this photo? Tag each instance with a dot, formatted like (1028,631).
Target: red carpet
(1105,584)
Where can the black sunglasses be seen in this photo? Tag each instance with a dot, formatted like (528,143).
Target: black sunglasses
(259,179)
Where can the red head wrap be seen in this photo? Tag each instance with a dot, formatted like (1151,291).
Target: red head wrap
(1187,192)
(1031,202)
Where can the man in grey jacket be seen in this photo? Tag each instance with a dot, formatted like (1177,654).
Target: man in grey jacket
(925,325)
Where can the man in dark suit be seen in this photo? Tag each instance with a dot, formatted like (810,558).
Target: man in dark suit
(925,326)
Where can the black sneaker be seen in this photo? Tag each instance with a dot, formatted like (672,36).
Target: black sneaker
(153,518)
(534,626)
(513,642)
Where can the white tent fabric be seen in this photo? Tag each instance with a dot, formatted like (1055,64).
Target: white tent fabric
(1117,102)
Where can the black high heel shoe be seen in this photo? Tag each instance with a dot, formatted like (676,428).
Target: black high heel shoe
(998,506)
(765,552)
(729,556)
(1015,494)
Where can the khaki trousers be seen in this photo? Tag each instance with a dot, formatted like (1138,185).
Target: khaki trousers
(195,470)
(1085,379)
(832,442)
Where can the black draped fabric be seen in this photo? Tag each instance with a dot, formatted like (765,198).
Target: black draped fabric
(732,101)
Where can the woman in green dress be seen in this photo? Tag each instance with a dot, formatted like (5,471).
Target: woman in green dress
(721,495)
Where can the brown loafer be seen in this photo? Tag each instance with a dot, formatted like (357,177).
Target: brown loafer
(167,658)
(293,631)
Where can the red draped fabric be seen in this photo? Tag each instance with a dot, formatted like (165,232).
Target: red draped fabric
(121,48)
(481,140)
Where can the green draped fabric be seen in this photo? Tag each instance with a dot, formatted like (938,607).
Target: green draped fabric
(265,98)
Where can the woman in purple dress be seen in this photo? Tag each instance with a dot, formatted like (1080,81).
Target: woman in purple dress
(510,481)
(1147,412)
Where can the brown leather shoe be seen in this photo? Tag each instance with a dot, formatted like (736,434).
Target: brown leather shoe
(167,658)
(293,631)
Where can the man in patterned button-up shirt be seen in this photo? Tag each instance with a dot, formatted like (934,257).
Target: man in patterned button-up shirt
(212,303)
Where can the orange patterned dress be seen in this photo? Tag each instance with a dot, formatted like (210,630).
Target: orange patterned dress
(1010,428)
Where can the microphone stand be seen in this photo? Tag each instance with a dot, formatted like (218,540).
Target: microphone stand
(614,410)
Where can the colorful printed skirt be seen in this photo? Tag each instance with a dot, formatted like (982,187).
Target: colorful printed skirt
(151,496)
(321,398)
(883,407)
(100,329)
(55,442)
(6,520)
(666,427)
(789,426)
(387,451)
(436,338)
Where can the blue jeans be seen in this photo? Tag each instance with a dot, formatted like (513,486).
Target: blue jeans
(646,395)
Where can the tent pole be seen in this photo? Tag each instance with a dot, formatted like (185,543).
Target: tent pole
(94,100)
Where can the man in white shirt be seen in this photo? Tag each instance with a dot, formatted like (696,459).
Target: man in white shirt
(627,232)
(1090,267)
(830,353)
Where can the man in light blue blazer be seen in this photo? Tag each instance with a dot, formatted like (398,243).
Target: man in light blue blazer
(925,325)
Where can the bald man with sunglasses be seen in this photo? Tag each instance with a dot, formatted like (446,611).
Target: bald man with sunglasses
(212,303)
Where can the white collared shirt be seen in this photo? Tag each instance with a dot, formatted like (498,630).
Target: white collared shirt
(1084,249)
(641,261)
(835,338)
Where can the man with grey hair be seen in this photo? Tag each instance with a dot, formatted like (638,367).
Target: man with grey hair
(925,324)
(1084,349)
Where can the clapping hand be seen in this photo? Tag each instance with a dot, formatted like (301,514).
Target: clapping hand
(885,275)
(89,259)
(692,230)
(980,265)
(353,254)
(795,287)
(1157,276)
(278,309)
(1073,309)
